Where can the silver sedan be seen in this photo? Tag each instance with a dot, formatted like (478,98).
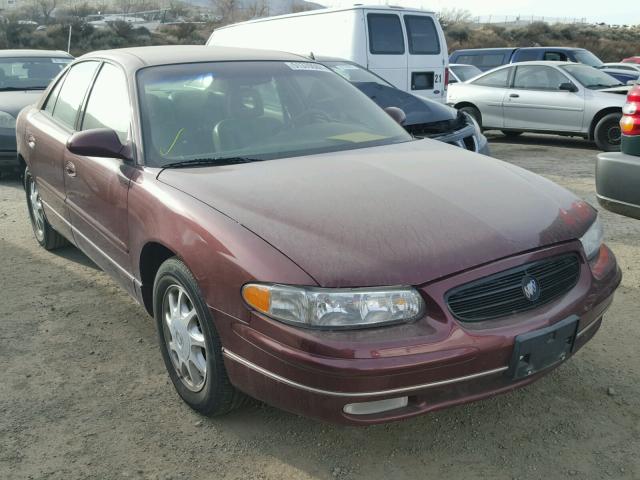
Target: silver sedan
(548,97)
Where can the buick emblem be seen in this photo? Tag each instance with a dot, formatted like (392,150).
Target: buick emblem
(530,288)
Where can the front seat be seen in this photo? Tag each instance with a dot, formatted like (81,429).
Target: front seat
(246,124)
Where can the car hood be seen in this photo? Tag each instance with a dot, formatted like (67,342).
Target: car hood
(13,102)
(621,90)
(399,214)
(418,110)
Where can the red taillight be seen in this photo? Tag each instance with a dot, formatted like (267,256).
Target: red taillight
(630,122)
(446,77)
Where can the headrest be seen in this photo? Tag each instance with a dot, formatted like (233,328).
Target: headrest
(245,102)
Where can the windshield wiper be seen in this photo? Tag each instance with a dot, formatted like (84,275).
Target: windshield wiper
(20,89)
(196,162)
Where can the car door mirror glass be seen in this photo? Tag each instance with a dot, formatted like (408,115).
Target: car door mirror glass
(99,142)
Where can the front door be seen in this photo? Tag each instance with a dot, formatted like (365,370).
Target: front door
(536,102)
(97,188)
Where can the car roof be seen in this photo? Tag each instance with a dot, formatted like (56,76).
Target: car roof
(13,53)
(322,11)
(484,50)
(140,57)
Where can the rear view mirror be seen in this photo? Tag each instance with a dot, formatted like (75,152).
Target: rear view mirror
(397,114)
(617,180)
(98,142)
(568,87)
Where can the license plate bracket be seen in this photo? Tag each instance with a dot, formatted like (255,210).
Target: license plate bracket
(540,349)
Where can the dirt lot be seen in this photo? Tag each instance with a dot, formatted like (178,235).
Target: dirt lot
(84,393)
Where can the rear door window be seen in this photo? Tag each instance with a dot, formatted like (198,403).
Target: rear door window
(72,93)
(536,77)
(484,61)
(385,34)
(555,57)
(498,79)
(422,35)
(53,96)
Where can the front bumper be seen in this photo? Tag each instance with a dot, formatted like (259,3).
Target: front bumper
(436,362)
(468,138)
(618,183)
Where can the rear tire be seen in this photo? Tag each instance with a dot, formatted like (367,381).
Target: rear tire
(190,345)
(511,133)
(46,236)
(608,133)
(474,112)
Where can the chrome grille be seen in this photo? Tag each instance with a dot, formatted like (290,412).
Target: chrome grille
(502,294)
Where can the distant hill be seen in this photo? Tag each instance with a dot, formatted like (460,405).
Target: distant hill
(275,7)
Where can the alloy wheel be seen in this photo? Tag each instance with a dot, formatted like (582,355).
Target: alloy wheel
(37,210)
(184,338)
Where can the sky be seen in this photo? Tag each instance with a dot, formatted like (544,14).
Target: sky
(620,12)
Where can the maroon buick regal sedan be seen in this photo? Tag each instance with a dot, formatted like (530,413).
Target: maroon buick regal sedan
(295,244)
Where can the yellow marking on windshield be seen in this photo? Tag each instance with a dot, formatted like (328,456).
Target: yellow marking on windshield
(358,137)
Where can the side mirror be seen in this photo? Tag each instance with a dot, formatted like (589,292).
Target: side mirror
(452,80)
(99,142)
(397,114)
(568,87)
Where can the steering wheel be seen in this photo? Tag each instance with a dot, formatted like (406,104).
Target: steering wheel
(309,116)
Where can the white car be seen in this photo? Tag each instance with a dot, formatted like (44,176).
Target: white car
(629,67)
(548,97)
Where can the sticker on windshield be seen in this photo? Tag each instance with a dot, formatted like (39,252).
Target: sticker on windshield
(347,66)
(61,60)
(316,67)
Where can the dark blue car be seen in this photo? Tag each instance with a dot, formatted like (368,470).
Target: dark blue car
(424,118)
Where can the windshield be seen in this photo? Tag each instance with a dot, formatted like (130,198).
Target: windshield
(588,58)
(29,73)
(255,110)
(466,72)
(590,77)
(355,74)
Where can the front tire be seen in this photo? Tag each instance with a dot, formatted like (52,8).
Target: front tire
(46,236)
(189,342)
(608,133)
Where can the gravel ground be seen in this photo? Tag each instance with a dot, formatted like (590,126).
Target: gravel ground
(84,393)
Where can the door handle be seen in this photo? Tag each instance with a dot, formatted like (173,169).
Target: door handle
(31,141)
(70,169)
(514,95)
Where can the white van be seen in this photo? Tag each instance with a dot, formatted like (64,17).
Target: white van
(404,46)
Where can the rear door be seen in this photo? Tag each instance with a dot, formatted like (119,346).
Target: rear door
(97,188)
(426,56)
(535,102)
(47,134)
(387,52)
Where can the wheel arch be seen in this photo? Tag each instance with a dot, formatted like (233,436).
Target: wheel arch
(152,255)
(598,116)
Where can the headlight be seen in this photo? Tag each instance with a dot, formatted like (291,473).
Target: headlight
(331,308)
(592,240)
(7,120)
